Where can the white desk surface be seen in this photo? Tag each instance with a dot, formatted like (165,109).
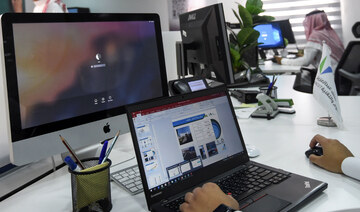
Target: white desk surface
(282,142)
(269,67)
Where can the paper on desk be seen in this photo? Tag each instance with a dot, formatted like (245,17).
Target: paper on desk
(244,113)
(244,105)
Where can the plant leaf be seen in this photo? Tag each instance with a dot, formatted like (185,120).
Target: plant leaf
(246,17)
(232,35)
(238,18)
(286,41)
(253,10)
(254,3)
(262,19)
(247,36)
(235,54)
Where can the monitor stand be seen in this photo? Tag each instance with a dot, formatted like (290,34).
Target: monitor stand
(262,54)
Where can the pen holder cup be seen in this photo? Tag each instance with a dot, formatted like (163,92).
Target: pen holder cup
(91,187)
(273,93)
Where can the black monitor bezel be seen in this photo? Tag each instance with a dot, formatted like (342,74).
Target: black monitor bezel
(283,24)
(8,19)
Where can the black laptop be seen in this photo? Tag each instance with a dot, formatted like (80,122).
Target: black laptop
(184,141)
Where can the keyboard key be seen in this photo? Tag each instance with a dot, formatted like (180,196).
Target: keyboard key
(130,185)
(134,189)
(272,174)
(264,173)
(260,170)
(129,179)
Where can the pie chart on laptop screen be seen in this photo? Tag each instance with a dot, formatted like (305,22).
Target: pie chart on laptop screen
(216,127)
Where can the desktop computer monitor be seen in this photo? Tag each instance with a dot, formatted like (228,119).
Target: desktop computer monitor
(286,30)
(72,75)
(270,36)
(205,43)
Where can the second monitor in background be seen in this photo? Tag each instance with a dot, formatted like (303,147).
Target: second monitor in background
(205,45)
(270,37)
(205,48)
(275,35)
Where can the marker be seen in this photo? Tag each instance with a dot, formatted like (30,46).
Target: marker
(72,152)
(269,89)
(112,145)
(103,151)
(73,166)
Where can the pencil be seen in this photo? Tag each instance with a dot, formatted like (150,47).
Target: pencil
(71,152)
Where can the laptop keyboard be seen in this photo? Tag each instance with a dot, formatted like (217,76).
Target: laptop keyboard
(242,183)
(129,179)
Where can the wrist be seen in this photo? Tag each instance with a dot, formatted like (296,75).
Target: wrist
(344,164)
(224,208)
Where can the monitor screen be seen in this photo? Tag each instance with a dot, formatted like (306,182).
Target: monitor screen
(270,36)
(205,42)
(65,72)
(73,10)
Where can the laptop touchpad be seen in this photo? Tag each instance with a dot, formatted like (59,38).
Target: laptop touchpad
(267,204)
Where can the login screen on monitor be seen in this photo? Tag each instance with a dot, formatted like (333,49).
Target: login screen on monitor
(270,36)
(67,70)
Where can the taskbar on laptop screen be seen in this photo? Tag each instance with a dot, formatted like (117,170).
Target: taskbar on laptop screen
(177,139)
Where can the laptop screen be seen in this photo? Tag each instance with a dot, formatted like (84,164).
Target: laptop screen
(178,139)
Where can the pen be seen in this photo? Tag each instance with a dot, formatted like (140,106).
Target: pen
(72,152)
(103,151)
(269,88)
(112,145)
(272,87)
(71,164)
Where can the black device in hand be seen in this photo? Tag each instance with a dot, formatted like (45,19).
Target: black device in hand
(317,150)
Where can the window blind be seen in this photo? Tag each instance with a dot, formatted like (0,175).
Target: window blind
(295,11)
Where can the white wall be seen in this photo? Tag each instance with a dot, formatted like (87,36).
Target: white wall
(119,6)
(349,15)
(228,6)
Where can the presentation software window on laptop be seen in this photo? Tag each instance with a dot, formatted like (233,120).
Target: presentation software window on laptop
(179,138)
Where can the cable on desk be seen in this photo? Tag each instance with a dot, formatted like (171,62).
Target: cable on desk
(30,182)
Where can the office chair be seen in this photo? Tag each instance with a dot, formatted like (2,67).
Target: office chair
(347,73)
(304,80)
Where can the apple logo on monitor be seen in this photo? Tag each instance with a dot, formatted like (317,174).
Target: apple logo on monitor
(98,56)
(106,128)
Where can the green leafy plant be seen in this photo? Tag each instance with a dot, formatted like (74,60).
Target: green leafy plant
(247,37)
